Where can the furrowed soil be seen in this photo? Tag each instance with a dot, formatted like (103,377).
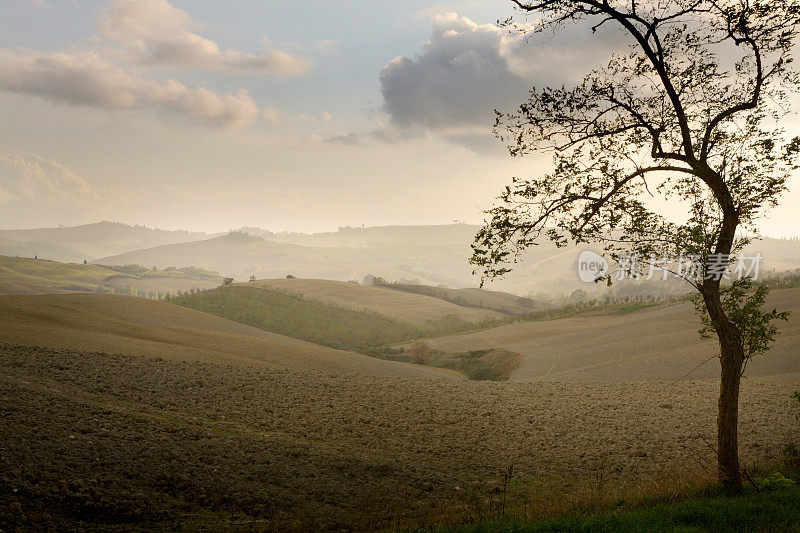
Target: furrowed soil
(93,439)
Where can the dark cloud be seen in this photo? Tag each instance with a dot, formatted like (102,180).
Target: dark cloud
(467,70)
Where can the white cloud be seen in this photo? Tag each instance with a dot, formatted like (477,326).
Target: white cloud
(91,80)
(467,70)
(30,177)
(157,33)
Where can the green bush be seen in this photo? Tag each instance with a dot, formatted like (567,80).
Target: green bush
(480,371)
(777,481)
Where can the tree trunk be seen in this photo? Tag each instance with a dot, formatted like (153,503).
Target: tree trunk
(728,417)
(731,361)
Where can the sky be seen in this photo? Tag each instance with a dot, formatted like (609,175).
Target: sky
(299,116)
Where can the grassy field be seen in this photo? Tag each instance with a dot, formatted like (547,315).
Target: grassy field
(618,344)
(418,309)
(501,302)
(122,441)
(769,510)
(135,326)
(270,306)
(21,275)
(316,322)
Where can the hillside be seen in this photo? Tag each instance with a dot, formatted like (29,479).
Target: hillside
(296,317)
(139,327)
(418,309)
(90,241)
(414,255)
(19,275)
(502,302)
(367,319)
(238,256)
(656,344)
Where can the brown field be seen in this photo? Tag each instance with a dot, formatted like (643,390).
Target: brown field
(414,308)
(131,413)
(135,326)
(655,344)
(117,439)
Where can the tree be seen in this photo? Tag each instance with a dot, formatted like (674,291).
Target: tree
(225,281)
(579,295)
(689,112)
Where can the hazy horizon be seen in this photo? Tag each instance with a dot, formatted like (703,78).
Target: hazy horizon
(332,229)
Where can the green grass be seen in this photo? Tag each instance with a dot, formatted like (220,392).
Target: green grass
(316,322)
(22,275)
(773,510)
(51,274)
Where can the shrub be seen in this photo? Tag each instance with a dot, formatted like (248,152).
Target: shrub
(777,481)
(479,371)
(421,353)
(791,452)
(797,397)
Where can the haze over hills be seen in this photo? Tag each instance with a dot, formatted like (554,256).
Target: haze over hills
(90,241)
(430,255)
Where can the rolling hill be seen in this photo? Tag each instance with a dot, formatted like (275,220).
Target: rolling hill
(430,255)
(656,344)
(90,241)
(501,302)
(19,275)
(367,319)
(320,323)
(139,327)
(418,309)
(239,256)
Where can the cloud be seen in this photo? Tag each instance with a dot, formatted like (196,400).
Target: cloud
(466,70)
(91,80)
(157,33)
(30,177)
